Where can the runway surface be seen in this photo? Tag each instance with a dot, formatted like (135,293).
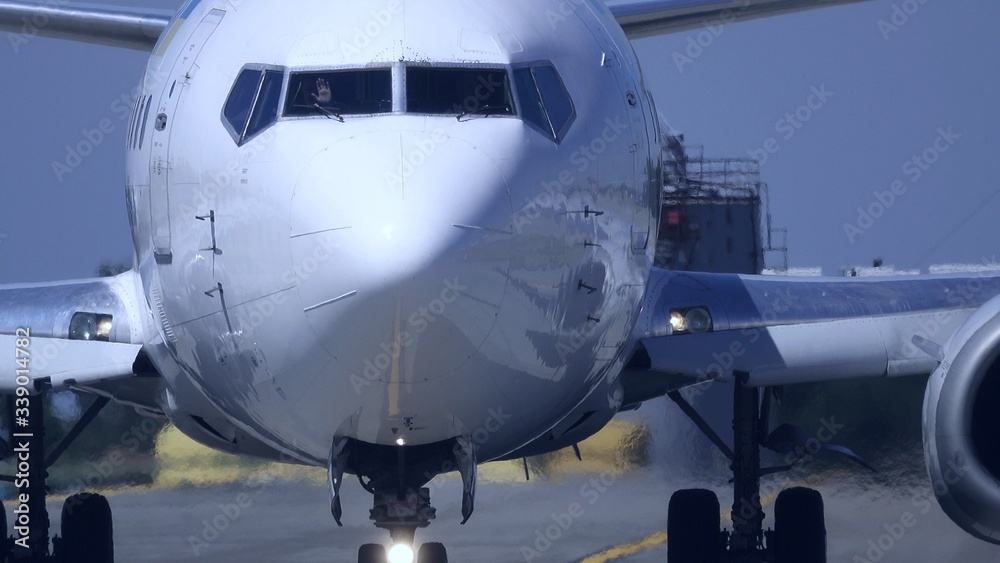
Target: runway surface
(284,521)
(608,508)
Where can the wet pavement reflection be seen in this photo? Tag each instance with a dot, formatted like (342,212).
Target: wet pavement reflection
(610,507)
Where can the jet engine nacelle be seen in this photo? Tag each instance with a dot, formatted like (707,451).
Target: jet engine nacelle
(961,423)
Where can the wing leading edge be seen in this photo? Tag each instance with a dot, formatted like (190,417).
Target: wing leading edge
(781,331)
(103,25)
(647,18)
(71,334)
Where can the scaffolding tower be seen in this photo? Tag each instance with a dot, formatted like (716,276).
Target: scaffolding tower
(711,214)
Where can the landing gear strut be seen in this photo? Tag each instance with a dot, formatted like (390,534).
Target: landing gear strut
(402,505)
(694,529)
(87,533)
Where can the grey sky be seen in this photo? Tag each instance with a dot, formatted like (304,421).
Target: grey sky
(889,98)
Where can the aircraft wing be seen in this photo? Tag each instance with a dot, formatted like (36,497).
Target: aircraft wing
(140,28)
(117,26)
(778,330)
(71,334)
(647,18)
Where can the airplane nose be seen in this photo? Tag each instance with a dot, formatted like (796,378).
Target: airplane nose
(401,245)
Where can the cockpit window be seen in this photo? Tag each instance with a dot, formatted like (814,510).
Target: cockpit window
(555,97)
(265,111)
(534,92)
(545,103)
(237,111)
(253,103)
(338,93)
(532,110)
(458,91)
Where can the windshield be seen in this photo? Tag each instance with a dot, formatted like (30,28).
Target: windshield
(544,100)
(458,91)
(253,103)
(345,92)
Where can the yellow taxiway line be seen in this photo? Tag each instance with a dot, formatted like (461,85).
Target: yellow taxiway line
(628,549)
(653,541)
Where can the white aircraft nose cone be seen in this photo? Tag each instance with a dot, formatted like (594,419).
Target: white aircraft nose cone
(402,243)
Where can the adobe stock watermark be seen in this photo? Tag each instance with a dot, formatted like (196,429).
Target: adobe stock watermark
(365,35)
(789,125)
(232,174)
(123,107)
(586,155)
(47,351)
(913,169)
(582,158)
(260,310)
(416,324)
(415,159)
(226,515)
(801,453)
(900,16)
(32,25)
(486,86)
(75,154)
(562,522)
(578,338)
(495,421)
(893,532)
(98,473)
(725,360)
(933,326)
(563,12)
(699,43)
(496,418)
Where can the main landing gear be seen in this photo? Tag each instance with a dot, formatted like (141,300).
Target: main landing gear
(694,527)
(396,478)
(87,532)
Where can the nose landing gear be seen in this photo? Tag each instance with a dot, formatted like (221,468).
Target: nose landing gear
(402,518)
(402,505)
(403,553)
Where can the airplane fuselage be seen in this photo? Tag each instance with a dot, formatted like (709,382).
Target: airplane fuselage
(402,275)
